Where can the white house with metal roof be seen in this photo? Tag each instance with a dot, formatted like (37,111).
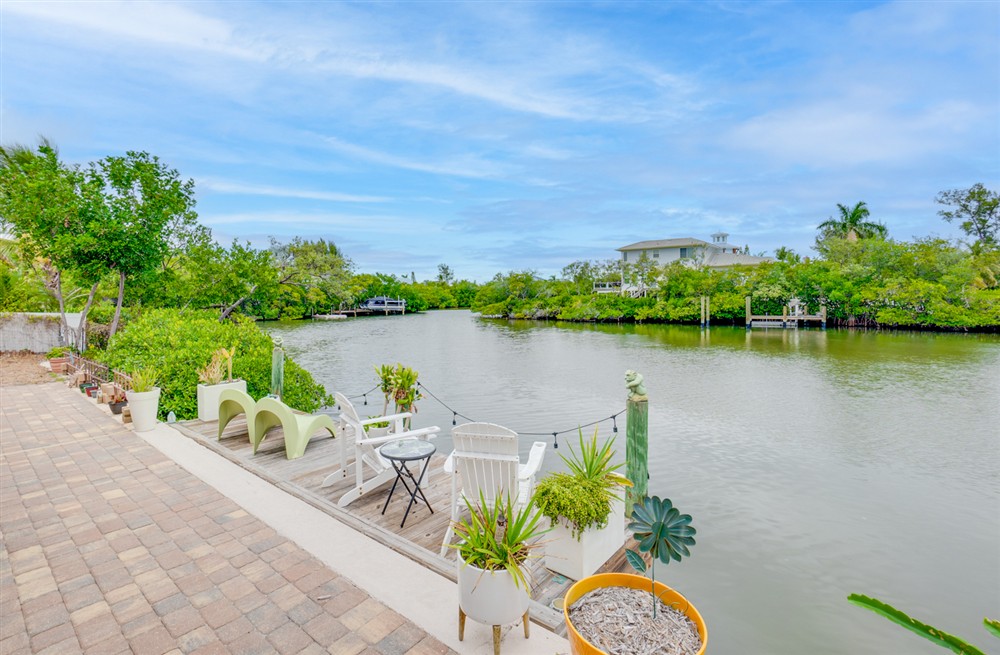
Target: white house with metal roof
(717,254)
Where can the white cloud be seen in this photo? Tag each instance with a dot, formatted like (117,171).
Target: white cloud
(464,166)
(838,133)
(170,24)
(238,188)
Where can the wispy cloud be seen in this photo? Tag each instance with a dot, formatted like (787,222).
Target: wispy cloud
(223,186)
(464,166)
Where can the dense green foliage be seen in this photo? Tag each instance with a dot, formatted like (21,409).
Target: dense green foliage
(178,343)
(81,233)
(928,283)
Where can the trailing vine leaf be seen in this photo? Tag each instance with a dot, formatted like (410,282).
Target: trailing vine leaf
(992,626)
(930,633)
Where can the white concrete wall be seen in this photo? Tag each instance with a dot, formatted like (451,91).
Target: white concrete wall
(38,333)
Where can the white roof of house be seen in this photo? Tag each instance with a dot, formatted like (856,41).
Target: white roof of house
(664,243)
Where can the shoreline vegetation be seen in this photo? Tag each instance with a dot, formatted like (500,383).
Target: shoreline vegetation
(120,237)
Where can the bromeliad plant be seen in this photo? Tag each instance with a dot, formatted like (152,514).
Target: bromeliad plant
(212,373)
(663,532)
(500,537)
(399,384)
(386,374)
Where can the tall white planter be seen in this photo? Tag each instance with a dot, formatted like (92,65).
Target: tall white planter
(578,559)
(143,405)
(208,398)
(490,597)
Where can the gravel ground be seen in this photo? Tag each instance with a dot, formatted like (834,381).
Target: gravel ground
(24,368)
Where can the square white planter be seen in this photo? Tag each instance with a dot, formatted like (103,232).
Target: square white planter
(578,559)
(208,398)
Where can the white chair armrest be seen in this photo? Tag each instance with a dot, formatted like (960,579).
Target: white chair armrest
(534,463)
(428,433)
(449,464)
(388,418)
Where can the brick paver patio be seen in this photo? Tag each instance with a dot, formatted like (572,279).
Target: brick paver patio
(110,547)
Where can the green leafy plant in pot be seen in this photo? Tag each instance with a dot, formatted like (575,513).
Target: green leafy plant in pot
(585,507)
(144,399)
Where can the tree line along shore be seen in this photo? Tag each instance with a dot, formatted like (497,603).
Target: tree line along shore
(120,235)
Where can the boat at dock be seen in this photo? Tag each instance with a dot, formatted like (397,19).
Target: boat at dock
(384,304)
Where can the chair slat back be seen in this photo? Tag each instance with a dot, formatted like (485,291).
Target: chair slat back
(486,459)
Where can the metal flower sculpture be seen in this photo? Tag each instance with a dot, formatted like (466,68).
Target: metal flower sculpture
(660,530)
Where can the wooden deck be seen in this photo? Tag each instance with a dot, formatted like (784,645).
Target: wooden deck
(421,537)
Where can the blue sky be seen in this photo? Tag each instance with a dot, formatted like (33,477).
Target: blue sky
(498,136)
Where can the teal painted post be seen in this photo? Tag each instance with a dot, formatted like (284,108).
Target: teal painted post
(636,450)
(277,371)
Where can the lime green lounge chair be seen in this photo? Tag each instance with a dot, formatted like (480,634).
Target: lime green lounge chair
(298,428)
(232,403)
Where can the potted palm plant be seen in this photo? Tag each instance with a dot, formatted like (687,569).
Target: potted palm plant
(495,544)
(586,508)
(660,618)
(211,384)
(144,399)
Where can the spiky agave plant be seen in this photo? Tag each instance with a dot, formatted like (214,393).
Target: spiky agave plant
(663,532)
(499,537)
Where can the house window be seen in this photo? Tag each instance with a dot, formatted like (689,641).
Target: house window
(624,256)
(656,255)
(684,253)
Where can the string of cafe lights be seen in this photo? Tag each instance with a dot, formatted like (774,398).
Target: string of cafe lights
(455,415)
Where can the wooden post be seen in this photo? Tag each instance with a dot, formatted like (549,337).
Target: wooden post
(636,450)
(749,320)
(784,316)
(708,311)
(822,311)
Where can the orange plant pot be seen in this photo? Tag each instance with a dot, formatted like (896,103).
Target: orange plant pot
(580,646)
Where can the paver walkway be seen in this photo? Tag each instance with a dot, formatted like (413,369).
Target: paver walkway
(107,546)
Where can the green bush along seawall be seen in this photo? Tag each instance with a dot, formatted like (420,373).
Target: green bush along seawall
(177,343)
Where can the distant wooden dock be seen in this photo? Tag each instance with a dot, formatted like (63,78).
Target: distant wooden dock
(420,539)
(791,316)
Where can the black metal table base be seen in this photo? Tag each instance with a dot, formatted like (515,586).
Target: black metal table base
(403,472)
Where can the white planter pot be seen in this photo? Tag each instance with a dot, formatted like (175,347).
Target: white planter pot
(143,406)
(490,597)
(578,559)
(208,398)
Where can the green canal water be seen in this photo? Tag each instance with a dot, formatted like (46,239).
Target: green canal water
(815,464)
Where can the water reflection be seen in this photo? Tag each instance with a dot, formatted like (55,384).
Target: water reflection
(815,463)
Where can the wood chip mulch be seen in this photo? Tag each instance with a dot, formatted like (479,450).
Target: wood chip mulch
(619,621)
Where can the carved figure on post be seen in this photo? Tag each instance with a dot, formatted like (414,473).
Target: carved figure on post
(636,389)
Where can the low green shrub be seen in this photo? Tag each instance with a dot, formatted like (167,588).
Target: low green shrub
(177,343)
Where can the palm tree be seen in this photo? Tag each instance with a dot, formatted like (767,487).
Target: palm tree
(852,224)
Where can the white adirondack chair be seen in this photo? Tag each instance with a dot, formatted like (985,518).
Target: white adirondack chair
(486,460)
(352,435)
